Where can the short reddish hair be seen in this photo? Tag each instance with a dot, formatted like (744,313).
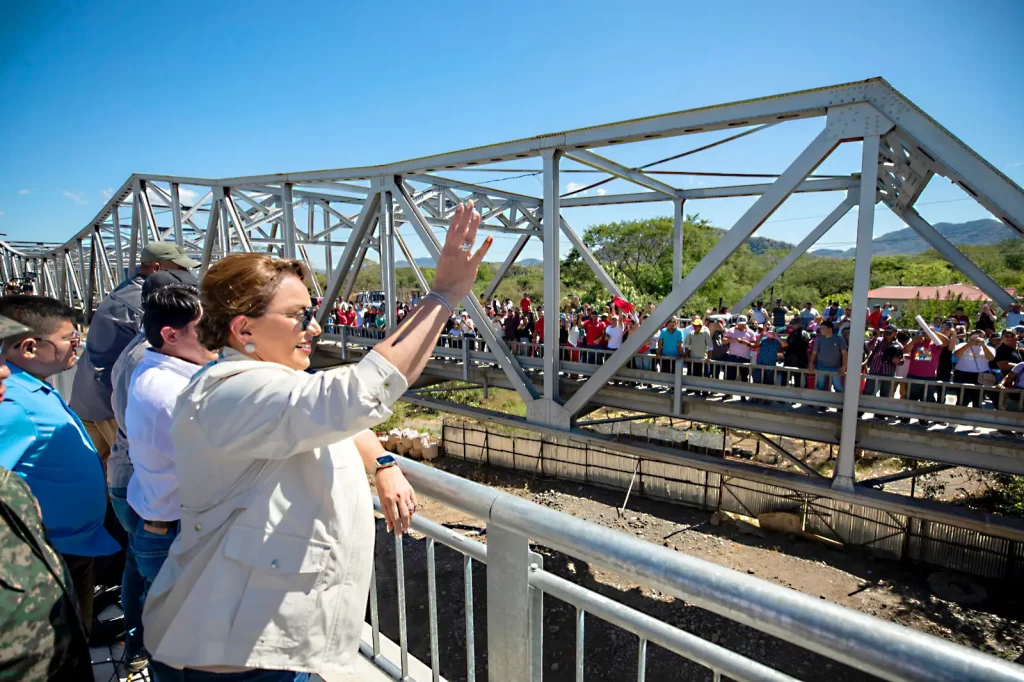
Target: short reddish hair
(240,284)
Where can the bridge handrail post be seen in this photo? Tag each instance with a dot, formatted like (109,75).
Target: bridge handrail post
(510,624)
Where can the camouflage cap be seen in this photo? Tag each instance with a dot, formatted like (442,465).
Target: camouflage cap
(9,328)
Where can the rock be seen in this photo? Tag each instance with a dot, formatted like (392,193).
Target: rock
(553,629)
(554,667)
(720,518)
(750,571)
(782,522)
(430,451)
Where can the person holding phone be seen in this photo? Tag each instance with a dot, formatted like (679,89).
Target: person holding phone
(986,319)
(973,358)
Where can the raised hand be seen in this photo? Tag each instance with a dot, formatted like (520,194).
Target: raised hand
(457,265)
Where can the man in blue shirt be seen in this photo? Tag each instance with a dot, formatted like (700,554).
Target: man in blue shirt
(1014,315)
(670,344)
(46,444)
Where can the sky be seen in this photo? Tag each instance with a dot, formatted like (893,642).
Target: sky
(92,92)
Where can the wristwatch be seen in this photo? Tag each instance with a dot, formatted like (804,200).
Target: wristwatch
(384,462)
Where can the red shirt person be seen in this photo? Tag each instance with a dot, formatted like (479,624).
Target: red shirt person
(524,304)
(875,318)
(593,330)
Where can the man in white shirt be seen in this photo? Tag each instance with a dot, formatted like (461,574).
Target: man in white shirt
(759,314)
(119,472)
(613,333)
(175,354)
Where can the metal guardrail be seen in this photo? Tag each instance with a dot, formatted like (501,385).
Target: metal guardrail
(992,407)
(516,583)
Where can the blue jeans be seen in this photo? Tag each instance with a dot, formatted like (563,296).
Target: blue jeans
(821,380)
(150,551)
(764,376)
(132,585)
(163,673)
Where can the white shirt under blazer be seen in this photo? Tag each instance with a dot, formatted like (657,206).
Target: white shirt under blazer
(272,566)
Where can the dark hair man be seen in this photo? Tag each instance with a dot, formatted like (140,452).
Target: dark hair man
(44,637)
(113,326)
(175,354)
(46,444)
(47,639)
(120,470)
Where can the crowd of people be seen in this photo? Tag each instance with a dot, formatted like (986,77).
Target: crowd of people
(200,456)
(784,346)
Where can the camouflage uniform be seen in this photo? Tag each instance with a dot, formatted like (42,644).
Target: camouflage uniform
(41,634)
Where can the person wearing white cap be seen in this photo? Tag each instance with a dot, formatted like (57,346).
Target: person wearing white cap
(741,340)
(468,328)
(613,333)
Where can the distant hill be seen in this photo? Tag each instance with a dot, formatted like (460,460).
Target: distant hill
(906,242)
(423,262)
(759,245)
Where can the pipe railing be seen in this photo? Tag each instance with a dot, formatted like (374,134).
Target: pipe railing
(878,647)
(922,399)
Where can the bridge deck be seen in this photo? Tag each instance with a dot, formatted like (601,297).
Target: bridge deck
(939,432)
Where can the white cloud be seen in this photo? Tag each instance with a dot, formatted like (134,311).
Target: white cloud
(1015,164)
(1,212)
(107,193)
(601,191)
(24,191)
(76,197)
(573,186)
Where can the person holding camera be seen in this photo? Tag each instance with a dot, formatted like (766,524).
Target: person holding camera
(972,367)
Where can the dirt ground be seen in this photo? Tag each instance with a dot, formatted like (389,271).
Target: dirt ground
(850,577)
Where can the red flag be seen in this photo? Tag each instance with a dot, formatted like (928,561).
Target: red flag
(622,304)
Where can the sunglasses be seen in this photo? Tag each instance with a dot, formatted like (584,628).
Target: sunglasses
(304,317)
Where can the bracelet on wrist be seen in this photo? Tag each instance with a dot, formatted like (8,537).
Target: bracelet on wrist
(442,300)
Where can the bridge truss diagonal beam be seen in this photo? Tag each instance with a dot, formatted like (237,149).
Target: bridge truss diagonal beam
(523,386)
(510,259)
(952,254)
(618,170)
(365,223)
(816,152)
(800,249)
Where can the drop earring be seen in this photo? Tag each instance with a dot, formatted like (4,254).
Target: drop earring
(249,348)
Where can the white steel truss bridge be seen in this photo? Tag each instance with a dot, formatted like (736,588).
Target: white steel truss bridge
(350,211)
